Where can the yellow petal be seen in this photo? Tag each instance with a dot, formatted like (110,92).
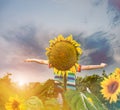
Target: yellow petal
(55,70)
(79,50)
(51,41)
(63,73)
(69,38)
(67,73)
(57,73)
(60,37)
(73,69)
(77,65)
(47,53)
(55,40)
(47,49)
(75,43)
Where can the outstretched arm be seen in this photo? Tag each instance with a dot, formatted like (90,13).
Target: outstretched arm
(40,61)
(83,67)
(91,67)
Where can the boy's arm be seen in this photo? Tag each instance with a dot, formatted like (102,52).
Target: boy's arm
(40,61)
(91,67)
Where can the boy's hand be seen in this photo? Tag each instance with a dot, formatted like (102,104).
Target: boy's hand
(103,64)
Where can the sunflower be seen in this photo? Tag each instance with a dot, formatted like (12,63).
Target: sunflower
(117,72)
(63,54)
(14,103)
(110,88)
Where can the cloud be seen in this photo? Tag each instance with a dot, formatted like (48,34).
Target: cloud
(97,49)
(114,12)
(115,42)
(19,44)
(27,40)
(115,4)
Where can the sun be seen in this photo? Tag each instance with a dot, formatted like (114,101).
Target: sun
(63,54)
(21,83)
(110,88)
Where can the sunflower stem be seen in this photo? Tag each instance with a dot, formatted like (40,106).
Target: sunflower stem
(65,81)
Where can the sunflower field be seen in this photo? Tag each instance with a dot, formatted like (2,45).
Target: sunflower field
(92,92)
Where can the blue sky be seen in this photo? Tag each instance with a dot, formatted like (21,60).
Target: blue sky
(26,26)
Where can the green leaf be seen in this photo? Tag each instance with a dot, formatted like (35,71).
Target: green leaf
(83,101)
(98,104)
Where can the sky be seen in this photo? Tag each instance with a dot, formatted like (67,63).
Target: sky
(26,26)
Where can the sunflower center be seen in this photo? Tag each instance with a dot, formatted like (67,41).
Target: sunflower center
(113,87)
(15,105)
(63,55)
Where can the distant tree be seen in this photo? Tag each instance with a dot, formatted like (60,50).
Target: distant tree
(6,78)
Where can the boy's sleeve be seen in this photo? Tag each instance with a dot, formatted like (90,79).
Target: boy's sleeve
(79,68)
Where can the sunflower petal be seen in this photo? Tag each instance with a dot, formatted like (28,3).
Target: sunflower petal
(73,69)
(59,73)
(69,38)
(60,37)
(79,50)
(51,41)
(55,70)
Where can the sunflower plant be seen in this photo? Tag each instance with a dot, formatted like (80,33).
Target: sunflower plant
(15,103)
(63,55)
(111,86)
